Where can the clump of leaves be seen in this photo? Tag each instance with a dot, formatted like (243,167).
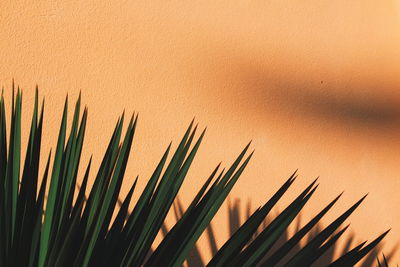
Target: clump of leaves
(68,231)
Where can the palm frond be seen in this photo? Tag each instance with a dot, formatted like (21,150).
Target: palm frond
(61,231)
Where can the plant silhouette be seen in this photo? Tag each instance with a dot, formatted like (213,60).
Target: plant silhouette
(195,258)
(234,222)
(70,229)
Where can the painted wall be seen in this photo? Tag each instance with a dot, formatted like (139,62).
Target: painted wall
(314,84)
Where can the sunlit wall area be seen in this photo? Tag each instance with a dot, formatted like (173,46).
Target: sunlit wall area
(314,84)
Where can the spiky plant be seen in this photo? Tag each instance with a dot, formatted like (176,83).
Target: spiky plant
(66,231)
(384,261)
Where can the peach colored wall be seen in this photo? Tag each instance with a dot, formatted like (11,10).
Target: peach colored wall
(314,84)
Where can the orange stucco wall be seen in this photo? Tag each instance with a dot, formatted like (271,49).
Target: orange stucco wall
(314,84)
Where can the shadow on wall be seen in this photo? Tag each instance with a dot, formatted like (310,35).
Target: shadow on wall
(196,259)
(373,106)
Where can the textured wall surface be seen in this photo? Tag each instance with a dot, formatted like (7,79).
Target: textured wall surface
(314,84)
